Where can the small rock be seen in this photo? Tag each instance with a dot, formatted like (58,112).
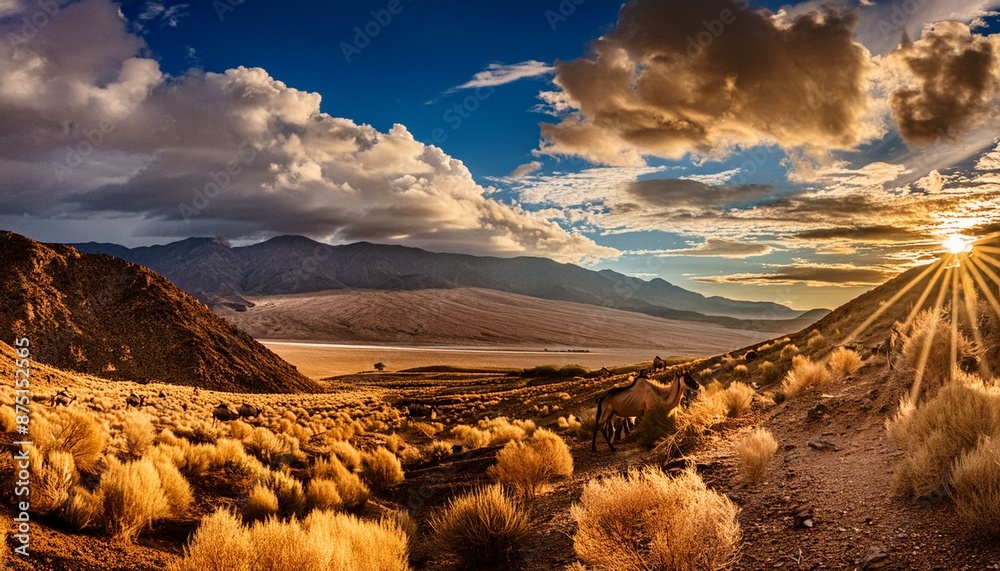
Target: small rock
(823,444)
(803,516)
(873,560)
(817,412)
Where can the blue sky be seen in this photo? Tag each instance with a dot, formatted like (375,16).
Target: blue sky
(800,155)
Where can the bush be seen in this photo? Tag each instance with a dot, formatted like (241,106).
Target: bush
(816,340)
(654,426)
(586,428)
(737,399)
(805,374)
(53,475)
(647,520)
(844,361)
(353,493)
(324,541)
(73,431)
(3,543)
(482,527)
(323,494)
(940,431)
(976,482)
(82,509)
(347,454)
(755,452)
(471,437)
(381,469)
(291,496)
(789,351)
(8,420)
(262,503)
(139,434)
(530,465)
(741,371)
(131,497)
(769,372)
(932,328)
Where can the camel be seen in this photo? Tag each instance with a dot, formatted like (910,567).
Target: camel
(619,426)
(224,413)
(659,364)
(249,411)
(62,398)
(135,400)
(637,399)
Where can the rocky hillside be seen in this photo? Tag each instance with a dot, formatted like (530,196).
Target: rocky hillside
(101,315)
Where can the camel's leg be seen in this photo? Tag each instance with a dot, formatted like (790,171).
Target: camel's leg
(606,438)
(603,416)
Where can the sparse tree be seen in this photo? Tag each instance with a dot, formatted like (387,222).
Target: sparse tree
(380,366)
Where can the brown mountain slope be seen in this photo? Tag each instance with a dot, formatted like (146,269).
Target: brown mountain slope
(104,316)
(474,316)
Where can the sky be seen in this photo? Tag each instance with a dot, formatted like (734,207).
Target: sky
(797,153)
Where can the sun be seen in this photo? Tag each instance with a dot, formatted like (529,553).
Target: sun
(956,244)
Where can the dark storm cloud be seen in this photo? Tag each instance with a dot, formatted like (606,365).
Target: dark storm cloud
(863,233)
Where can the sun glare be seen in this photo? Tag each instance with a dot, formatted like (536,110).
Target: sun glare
(956,244)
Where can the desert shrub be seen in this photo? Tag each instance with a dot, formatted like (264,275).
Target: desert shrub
(264,444)
(741,371)
(262,503)
(789,351)
(805,374)
(53,475)
(323,494)
(933,329)
(132,498)
(938,432)
(347,454)
(484,526)
(844,361)
(737,399)
(73,431)
(353,492)
(239,430)
(394,442)
(8,419)
(436,450)
(381,469)
(816,340)
(976,487)
(323,541)
(648,520)
(528,466)
(769,372)
(291,496)
(405,522)
(754,452)
(586,428)
(471,437)
(654,426)
(502,430)
(82,509)
(139,434)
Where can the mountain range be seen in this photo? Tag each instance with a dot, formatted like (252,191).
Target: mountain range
(224,276)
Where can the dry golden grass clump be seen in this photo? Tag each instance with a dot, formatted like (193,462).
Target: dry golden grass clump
(262,503)
(815,340)
(323,541)
(741,371)
(289,491)
(139,433)
(935,434)
(654,426)
(528,466)
(353,492)
(347,454)
(73,431)
(755,452)
(789,351)
(8,419)
(132,495)
(435,451)
(844,361)
(976,487)
(381,469)
(769,372)
(933,328)
(648,520)
(471,437)
(737,398)
(53,475)
(323,494)
(482,526)
(3,543)
(805,374)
